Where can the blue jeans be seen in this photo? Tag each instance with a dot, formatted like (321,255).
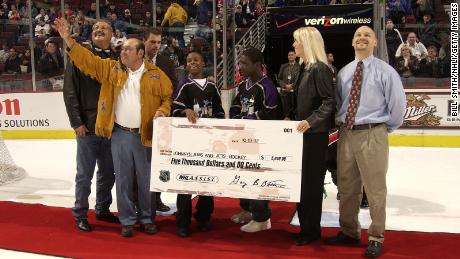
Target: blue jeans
(91,150)
(131,158)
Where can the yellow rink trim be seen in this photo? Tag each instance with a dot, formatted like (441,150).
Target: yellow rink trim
(424,141)
(395,140)
(38,134)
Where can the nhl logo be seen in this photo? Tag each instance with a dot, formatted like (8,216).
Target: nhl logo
(165,176)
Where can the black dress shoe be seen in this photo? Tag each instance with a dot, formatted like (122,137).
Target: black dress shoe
(107,216)
(183,232)
(127,231)
(305,240)
(149,228)
(83,225)
(161,207)
(373,250)
(204,226)
(342,239)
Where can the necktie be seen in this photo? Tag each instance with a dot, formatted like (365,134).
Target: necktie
(355,93)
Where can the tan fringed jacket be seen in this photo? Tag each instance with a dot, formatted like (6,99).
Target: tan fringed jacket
(156,90)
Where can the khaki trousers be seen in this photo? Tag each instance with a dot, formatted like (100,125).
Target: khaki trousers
(362,159)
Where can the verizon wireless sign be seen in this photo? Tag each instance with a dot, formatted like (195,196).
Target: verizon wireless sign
(33,111)
(326,18)
(332,21)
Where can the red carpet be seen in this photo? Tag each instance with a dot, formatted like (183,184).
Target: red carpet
(50,230)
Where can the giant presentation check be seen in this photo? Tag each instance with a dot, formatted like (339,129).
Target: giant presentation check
(231,158)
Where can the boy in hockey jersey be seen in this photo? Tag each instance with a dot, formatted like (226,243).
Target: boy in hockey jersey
(197,98)
(258,99)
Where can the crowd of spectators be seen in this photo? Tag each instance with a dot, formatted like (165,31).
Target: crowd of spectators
(410,23)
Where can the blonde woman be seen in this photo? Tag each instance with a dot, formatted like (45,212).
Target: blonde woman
(315,106)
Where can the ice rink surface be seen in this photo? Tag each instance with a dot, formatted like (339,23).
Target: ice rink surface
(423,186)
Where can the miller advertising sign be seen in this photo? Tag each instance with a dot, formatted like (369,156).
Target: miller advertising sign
(329,18)
(429,110)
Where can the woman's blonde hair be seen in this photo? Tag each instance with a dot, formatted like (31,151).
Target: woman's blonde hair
(312,43)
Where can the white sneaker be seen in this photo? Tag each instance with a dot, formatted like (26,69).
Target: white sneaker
(242,217)
(254,226)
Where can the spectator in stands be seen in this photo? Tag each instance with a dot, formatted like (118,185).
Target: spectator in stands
(42,29)
(51,63)
(431,65)
(13,63)
(407,64)
(420,7)
(26,60)
(202,19)
(86,31)
(330,60)
(52,14)
(42,14)
(428,31)
(259,11)
(287,77)
(248,8)
(13,14)
(117,40)
(174,53)
(116,23)
(417,48)
(176,17)
(67,11)
(160,14)
(445,54)
(4,5)
(4,53)
(147,19)
(112,8)
(240,19)
(3,14)
(74,27)
(126,16)
(444,51)
(92,11)
(397,9)
(393,39)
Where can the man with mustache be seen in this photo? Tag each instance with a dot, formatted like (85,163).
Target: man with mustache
(370,103)
(81,93)
(133,93)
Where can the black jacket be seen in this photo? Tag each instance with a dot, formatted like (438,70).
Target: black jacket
(165,64)
(48,67)
(81,94)
(315,98)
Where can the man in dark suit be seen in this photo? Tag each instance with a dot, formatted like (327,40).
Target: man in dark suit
(152,42)
(287,77)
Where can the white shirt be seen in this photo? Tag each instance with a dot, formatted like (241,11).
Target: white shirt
(128,106)
(42,30)
(417,50)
